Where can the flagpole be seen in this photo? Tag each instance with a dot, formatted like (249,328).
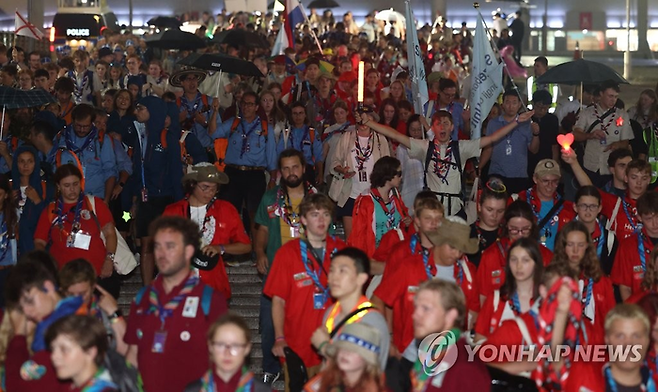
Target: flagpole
(310,27)
(500,57)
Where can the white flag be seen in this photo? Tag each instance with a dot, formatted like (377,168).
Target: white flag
(25,28)
(416,65)
(487,82)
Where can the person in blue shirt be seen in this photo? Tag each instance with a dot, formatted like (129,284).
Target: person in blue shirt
(197,112)
(192,150)
(31,192)
(302,137)
(157,169)
(509,156)
(81,145)
(446,101)
(251,150)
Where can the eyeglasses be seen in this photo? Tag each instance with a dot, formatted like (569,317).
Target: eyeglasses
(516,230)
(248,103)
(587,207)
(206,188)
(233,348)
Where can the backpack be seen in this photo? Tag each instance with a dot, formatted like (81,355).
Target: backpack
(454,146)
(221,145)
(125,375)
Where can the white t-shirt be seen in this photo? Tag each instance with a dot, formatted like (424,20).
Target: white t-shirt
(198,215)
(360,187)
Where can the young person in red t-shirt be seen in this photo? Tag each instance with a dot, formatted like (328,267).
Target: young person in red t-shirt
(626,327)
(631,260)
(518,294)
(297,283)
(621,212)
(574,246)
(491,210)
(520,223)
(404,272)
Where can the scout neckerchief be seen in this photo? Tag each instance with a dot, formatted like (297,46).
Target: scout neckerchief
(414,242)
(61,217)
(599,238)
(335,311)
(514,305)
(478,230)
(167,310)
(245,148)
(419,377)
(648,384)
(388,208)
(363,154)
(535,204)
(88,140)
(191,107)
(98,383)
(246,383)
(611,119)
(643,250)
(442,165)
(284,207)
(631,214)
(338,131)
(65,307)
(545,376)
(79,86)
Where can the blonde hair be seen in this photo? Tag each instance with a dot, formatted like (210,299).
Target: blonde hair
(627,311)
(450,295)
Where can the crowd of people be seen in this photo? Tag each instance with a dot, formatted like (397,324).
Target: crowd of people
(554,246)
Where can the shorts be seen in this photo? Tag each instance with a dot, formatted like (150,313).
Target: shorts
(149,211)
(347,209)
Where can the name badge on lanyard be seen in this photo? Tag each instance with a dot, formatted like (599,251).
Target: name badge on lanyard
(79,240)
(319,300)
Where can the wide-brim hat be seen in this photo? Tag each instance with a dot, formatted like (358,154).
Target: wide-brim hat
(456,232)
(176,77)
(359,338)
(206,172)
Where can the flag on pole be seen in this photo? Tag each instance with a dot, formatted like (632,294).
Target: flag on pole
(416,65)
(487,79)
(293,15)
(25,28)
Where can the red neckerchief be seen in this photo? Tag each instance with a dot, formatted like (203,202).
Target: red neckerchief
(533,199)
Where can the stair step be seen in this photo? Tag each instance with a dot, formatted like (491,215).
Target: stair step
(246,288)
(242,270)
(247,311)
(244,300)
(244,278)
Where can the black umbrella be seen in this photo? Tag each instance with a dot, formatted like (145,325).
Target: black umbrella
(164,21)
(323,4)
(175,39)
(11,98)
(581,72)
(240,37)
(220,62)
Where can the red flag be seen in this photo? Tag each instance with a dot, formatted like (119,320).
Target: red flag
(25,28)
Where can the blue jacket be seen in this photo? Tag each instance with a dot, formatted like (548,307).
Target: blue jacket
(192,143)
(162,166)
(29,218)
(118,124)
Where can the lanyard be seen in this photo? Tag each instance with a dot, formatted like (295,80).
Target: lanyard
(390,213)
(245,384)
(61,217)
(413,242)
(588,292)
(141,138)
(245,144)
(362,154)
(71,145)
(631,221)
(304,248)
(641,248)
(167,310)
(601,240)
(206,218)
(516,304)
(610,381)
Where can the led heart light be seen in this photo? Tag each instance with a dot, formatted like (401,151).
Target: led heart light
(565,141)
(620,121)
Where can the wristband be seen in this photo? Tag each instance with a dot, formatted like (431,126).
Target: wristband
(110,255)
(280,338)
(517,119)
(222,249)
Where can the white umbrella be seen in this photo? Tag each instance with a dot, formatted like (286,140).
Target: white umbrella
(390,15)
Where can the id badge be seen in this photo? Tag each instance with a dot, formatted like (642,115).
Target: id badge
(159,339)
(145,195)
(81,241)
(318,301)
(508,149)
(294,231)
(363,176)
(191,307)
